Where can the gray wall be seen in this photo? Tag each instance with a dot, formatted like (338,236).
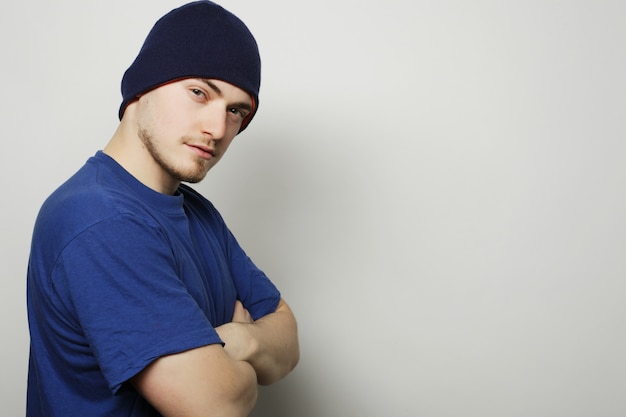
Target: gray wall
(436,186)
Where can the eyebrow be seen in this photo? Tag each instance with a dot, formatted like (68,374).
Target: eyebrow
(216,89)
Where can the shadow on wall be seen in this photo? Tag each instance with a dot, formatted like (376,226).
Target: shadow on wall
(266,184)
(283,198)
(291,397)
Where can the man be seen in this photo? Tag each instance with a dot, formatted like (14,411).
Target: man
(140,300)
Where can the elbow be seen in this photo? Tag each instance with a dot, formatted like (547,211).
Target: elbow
(282,366)
(245,402)
(292,353)
(295,357)
(242,395)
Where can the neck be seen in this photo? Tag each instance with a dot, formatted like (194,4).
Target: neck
(128,150)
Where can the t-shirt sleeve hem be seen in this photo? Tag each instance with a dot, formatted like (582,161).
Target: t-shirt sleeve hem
(164,349)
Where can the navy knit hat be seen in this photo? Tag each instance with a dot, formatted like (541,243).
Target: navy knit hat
(200,39)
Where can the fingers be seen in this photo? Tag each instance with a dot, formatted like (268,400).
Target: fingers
(241,315)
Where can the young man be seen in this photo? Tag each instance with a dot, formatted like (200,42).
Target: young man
(140,300)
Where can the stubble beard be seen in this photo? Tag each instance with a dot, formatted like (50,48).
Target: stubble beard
(193,175)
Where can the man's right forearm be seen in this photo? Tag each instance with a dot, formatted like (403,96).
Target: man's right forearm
(199,382)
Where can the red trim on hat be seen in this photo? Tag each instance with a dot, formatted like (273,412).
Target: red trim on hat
(248,118)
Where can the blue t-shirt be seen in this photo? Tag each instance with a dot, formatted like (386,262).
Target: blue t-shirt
(120,275)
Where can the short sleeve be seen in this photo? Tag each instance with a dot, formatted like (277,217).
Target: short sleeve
(121,278)
(256,291)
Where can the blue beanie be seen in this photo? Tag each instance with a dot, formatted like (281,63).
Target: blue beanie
(200,39)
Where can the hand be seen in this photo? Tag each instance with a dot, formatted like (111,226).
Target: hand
(269,344)
(241,315)
(236,336)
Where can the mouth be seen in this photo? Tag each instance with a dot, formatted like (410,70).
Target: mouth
(202,151)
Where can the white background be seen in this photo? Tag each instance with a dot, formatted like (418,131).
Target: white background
(437,187)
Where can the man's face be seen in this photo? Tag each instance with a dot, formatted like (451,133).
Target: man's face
(186,127)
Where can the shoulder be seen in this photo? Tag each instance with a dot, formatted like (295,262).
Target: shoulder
(196,202)
(84,202)
(192,196)
(80,200)
(203,213)
(76,201)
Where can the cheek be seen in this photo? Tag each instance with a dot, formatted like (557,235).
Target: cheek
(226,142)
(165,113)
(170,125)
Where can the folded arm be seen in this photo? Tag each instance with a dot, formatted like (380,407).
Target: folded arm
(222,381)
(199,382)
(269,344)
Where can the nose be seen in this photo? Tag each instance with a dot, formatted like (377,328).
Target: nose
(214,121)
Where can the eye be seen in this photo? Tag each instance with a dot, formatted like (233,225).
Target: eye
(198,93)
(236,111)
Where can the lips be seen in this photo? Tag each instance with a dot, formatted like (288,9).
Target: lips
(202,151)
